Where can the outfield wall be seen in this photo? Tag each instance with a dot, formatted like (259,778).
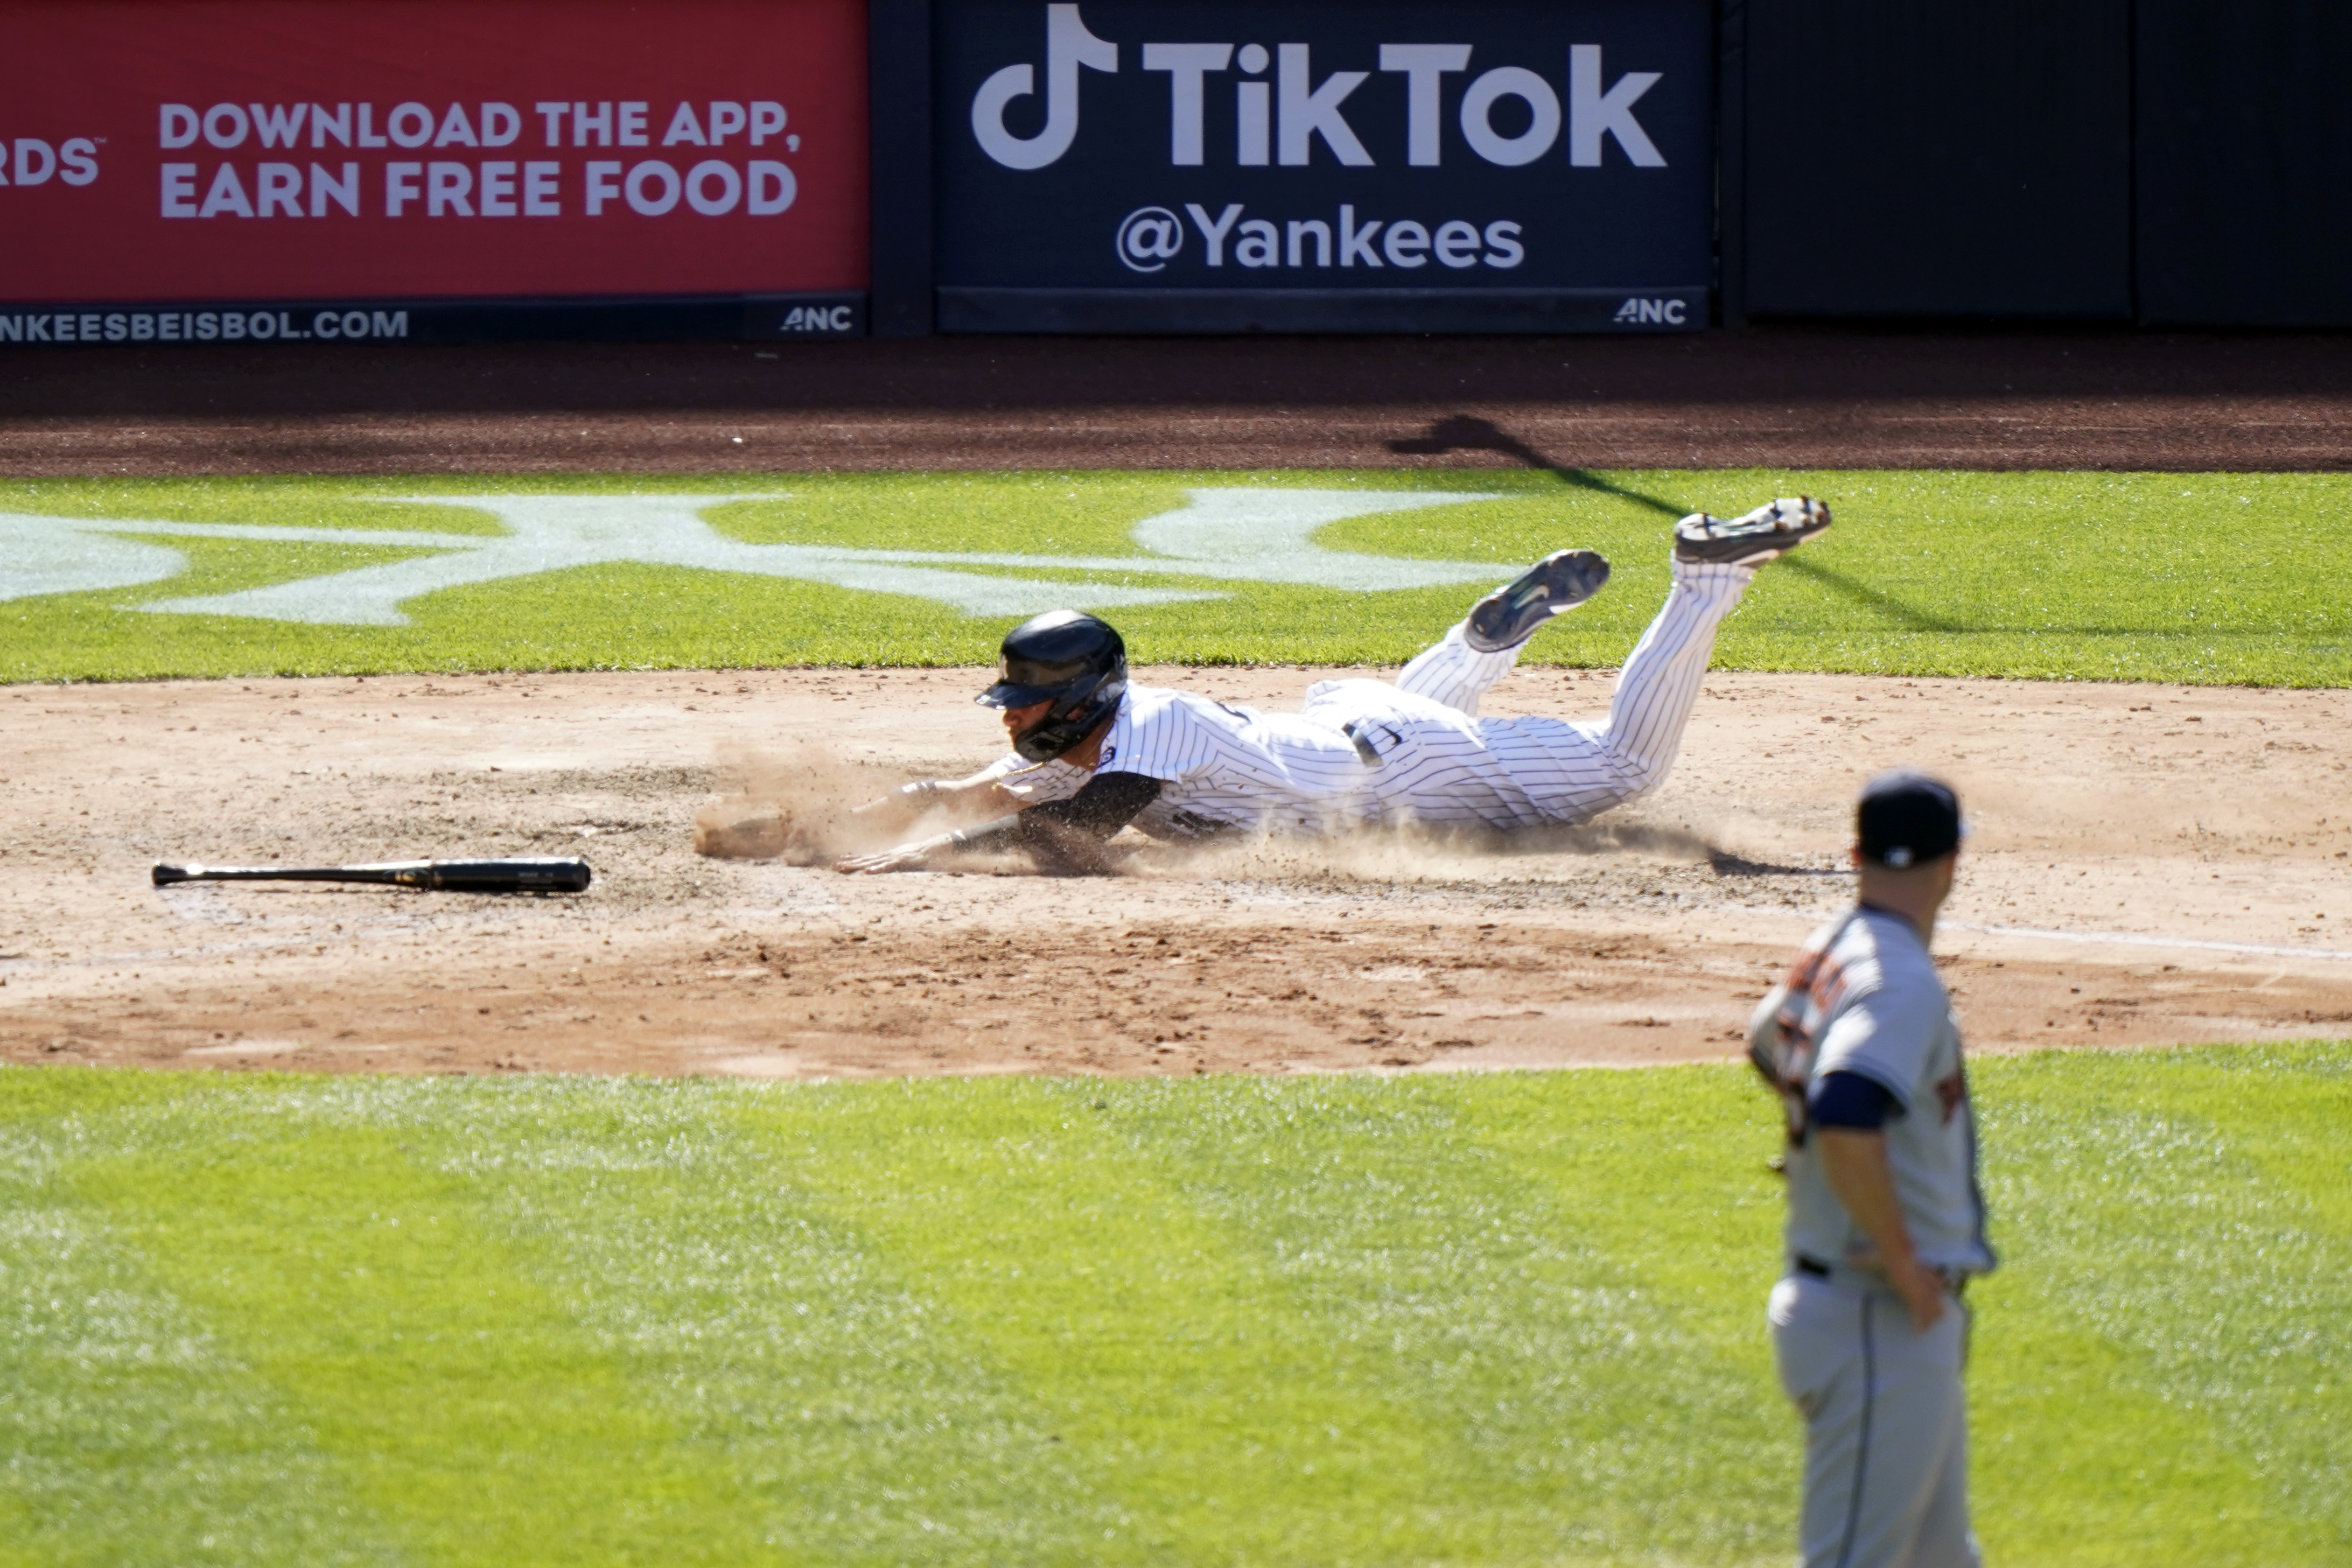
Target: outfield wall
(432,171)
(2172,162)
(1226,165)
(428,170)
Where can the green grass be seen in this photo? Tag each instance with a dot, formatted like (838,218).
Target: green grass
(1495,1320)
(2196,578)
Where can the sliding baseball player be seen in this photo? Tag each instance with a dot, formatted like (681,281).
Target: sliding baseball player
(1093,755)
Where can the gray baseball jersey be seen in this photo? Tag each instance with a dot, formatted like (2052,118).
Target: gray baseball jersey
(1864,998)
(1366,752)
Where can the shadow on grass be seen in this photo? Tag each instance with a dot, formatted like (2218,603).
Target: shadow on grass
(1908,616)
(1465,433)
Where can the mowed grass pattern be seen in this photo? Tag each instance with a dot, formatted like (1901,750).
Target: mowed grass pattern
(1495,1320)
(2194,578)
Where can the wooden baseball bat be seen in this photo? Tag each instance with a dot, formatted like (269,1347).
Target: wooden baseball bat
(523,874)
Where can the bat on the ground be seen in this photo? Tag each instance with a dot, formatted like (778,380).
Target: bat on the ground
(523,874)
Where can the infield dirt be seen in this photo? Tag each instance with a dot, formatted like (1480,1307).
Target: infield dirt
(2150,864)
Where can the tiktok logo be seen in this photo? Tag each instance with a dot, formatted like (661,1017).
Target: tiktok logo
(1276,120)
(1069,45)
(1148,238)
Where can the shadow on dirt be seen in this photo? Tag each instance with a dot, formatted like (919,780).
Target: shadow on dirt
(1467,432)
(1724,863)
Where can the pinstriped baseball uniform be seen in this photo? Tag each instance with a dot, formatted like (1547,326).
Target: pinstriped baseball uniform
(1225,768)
(1221,768)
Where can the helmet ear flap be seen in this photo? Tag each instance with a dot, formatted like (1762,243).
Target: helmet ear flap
(1073,718)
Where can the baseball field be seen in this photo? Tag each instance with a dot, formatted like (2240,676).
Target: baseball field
(1241,1208)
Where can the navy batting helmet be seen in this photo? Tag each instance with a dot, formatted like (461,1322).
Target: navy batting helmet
(1073,661)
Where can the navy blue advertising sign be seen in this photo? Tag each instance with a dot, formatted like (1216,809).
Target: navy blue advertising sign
(1210,166)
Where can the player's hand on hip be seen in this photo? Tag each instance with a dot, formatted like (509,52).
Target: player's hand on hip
(1922,1290)
(1921,1287)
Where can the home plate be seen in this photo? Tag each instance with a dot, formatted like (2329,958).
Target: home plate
(247,1048)
(757,1067)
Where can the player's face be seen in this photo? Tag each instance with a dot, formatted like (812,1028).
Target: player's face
(1019,722)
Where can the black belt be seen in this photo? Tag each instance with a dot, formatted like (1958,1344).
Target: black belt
(1955,1281)
(1354,729)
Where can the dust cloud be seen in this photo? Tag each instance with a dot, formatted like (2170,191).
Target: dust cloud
(799,805)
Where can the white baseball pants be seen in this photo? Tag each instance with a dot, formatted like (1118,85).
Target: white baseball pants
(1886,1438)
(1440,763)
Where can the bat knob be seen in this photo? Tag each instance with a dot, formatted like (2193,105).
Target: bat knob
(167,875)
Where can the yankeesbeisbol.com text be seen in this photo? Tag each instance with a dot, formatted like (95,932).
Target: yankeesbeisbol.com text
(304,322)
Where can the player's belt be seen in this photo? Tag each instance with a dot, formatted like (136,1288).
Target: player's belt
(1354,729)
(1955,1281)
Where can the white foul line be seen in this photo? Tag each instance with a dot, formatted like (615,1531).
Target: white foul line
(2117,937)
(2129,940)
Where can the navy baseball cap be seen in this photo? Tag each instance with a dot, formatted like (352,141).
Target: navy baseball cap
(1905,818)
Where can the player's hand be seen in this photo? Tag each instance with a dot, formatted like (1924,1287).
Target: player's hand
(1921,1287)
(914,856)
(1922,1290)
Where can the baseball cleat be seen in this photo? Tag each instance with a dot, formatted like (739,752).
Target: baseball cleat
(1764,534)
(1510,614)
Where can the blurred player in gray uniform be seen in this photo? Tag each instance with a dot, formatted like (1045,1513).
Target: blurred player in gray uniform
(1885,1222)
(1093,755)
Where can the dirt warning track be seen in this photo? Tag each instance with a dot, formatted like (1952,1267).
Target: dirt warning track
(2150,865)
(1782,396)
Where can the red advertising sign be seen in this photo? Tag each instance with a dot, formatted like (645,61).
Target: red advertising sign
(291,149)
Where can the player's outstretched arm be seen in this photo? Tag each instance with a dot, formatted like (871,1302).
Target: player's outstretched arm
(961,801)
(1070,835)
(918,855)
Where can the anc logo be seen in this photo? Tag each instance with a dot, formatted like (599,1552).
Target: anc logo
(1672,312)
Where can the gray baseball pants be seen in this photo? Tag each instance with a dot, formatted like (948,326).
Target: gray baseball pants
(1887,1441)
